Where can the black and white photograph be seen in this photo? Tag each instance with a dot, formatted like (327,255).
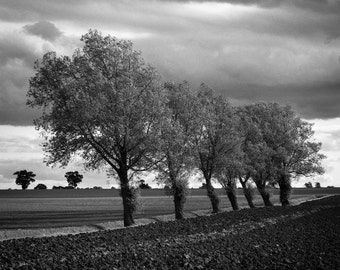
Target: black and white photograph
(169,134)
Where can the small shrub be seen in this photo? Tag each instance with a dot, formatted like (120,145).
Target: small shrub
(40,186)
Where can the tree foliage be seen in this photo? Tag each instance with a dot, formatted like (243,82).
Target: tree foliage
(104,104)
(176,161)
(40,186)
(143,185)
(24,178)
(308,185)
(285,148)
(73,178)
(215,137)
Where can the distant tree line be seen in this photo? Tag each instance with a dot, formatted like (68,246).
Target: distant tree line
(106,105)
(310,185)
(25,178)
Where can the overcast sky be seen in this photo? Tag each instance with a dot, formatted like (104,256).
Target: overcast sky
(283,51)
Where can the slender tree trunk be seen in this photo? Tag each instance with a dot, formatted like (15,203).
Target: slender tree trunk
(231,193)
(128,196)
(179,200)
(215,201)
(264,194)
(285,189)
(247,193)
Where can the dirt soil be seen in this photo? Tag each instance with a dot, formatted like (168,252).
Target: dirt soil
(306,236)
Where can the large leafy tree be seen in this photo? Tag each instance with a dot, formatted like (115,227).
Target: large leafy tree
(73,178)
(295,151)
(24,178)
(286,149)
(248,160)
(104,104)
(176,146)
(215,137)
(259,155)
(241,163)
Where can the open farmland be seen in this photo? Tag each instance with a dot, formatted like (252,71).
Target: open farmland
(58,208)
(306,236)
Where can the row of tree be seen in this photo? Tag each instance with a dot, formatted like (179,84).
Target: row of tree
(310,185)
(24,178)
(108,106)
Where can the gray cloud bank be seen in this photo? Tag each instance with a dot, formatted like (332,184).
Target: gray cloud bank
(284,51)
(46,30)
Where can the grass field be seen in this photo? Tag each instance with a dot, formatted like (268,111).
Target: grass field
(47,209)
(109,193)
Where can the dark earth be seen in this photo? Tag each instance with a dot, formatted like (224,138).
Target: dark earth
(297,237)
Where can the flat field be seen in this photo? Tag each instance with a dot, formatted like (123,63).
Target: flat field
(59,208)
(306,236)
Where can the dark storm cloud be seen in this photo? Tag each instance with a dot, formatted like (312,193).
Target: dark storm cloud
(17,57)
(307,78)
(44,29)
(17,114)
(261,50)
(149,15)
(319,100)
(324,6)
(29,10)
(15,48)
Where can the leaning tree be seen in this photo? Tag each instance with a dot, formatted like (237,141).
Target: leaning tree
(227,174)
(104,103)
(259,155)
(176,162)
(24,178)
(215,136)
(286,149)
(247,162)
(296,153)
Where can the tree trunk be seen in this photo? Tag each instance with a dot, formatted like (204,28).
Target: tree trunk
(128,206)
(231,193)
(247,194)
(285,189)
(264,194)
(179,200)
(215,201)
(129,200)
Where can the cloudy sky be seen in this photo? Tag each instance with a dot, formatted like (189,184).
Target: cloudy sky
(265,50)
